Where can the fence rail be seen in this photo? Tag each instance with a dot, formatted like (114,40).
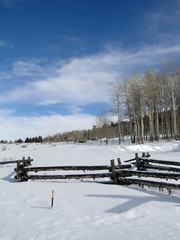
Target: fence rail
(127,173)
(146,160)
(27,162)
(142,183)
(74,168)
(71,176)
(118,173)
(22,171)
(161,168)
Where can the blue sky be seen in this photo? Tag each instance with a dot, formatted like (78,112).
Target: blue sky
(57,58)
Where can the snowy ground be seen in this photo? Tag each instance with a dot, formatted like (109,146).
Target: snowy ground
(85,209)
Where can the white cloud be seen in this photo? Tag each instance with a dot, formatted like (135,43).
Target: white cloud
(79,81)
(6,44)
(74,109)
(26,68)
(162,23)
(35,68)
(3,43)
(12,127)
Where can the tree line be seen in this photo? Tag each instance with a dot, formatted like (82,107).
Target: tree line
(38,139)
(98,132)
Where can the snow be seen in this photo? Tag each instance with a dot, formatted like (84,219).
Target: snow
(85,209)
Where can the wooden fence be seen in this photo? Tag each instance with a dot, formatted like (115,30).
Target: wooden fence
(124,174)
(25,162)
(22,172)
(163,170)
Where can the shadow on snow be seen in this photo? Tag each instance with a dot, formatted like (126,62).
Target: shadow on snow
(135,201)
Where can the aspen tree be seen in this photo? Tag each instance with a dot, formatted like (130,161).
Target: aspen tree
(117,97)
(170,72)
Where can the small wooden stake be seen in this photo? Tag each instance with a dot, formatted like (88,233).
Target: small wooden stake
(52,199)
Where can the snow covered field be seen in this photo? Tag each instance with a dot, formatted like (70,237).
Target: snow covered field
(85,209)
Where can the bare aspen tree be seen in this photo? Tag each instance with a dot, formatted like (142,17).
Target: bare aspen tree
(137,94)
(165,106)
(134,96)
(149,96)
(129,101)
(128,105)
(170,71)
(117,97)
(103,122)
(166,115)
(178,100)
(156,104)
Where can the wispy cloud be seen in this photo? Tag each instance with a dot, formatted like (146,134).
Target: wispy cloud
(10,3)
(178,8)
(163,23)
(37,68)
(6,44)
(80,81)
(3,43)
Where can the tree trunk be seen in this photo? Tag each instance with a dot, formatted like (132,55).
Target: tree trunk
(142,124)
(151,130)
(174,126)
(156,122)
(119,123)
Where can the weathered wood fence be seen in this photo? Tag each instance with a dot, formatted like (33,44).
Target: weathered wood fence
(25,162)
(124,174)
(163,170)
(22,171)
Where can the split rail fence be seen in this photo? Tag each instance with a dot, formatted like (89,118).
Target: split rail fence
(161,170)
(125,174)
(22,172)
(25,162)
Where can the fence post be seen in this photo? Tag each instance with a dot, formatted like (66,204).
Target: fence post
(119,161)
(143,154)
(24,162)
(114,176)
(29,161)
(18,177)
(137,160)
(21,173)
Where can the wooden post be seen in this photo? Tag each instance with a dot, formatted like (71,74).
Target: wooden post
(29,161)
(114,176)
(143,154)
(23,162)
(119,161)
(142,162)
(18,177)
(137,160)
(21,173)
(139,163)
